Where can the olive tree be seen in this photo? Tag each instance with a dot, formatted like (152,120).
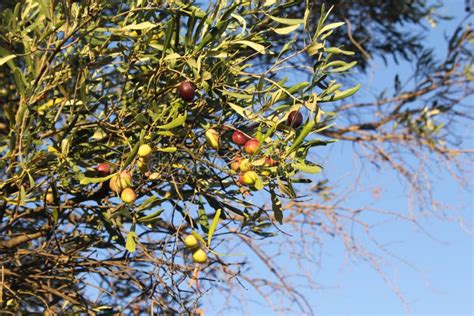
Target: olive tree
(129,127)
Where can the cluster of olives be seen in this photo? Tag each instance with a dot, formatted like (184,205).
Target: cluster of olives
(186,91)
(250,146)
(199,255)
(121,183)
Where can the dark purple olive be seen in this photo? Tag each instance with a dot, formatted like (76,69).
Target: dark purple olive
(295,118)
(187,91)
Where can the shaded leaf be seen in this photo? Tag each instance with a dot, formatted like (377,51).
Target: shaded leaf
(276,207)
(131,243)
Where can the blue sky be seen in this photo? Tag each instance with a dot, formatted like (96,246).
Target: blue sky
(443,283)
(447,263)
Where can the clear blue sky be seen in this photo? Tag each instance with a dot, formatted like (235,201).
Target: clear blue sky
(351,287)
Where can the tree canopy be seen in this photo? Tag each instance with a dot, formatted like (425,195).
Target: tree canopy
(138,137)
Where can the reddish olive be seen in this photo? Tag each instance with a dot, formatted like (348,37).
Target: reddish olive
(239,138)
(270,162)
(103,169)
(251,146)
(235,164)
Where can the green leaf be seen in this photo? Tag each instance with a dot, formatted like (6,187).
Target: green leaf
(329,27)
(169,34)
(239,96)
(301,136)
(203,219)
(131,244)
(139,26)
(5,59)
(86,180)
(216,54)
(30,179)
(172,56)
(167,149)
(339,95)
(286,30)
(269,3)
(151,217)
(20,81)
(249,115)
(257,47)
(314,48)
(332,88)
(134,151)
(198,237)
(174,123)
(258,183)
(213,226)
(335,50)
(242,22)
(276,207)
(343,66)
(286,21)
(22,196)
(148,203)
(165,133)
(307,168)
(286,189)
(55,214)
(319,142)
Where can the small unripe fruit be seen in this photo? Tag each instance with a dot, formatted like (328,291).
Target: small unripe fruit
(120,181)
(144,150)
(248,178)
(239,138)
(99,135)
(128,196)
(212,138)
(245,165)
(153,176)
(199,256)
(103,169)
(265,173)
(49,197)
(270,162)
(113,184)
(190,241)
(295,118)
(186,91)
(235,164)
(251,146)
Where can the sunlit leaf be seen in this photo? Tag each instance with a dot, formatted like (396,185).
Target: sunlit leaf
(5,59)
(213,226)
(178,121)
(286,20)
(257,47)
(286,30)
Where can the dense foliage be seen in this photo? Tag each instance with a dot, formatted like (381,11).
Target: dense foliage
(145,144)
(118,119)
